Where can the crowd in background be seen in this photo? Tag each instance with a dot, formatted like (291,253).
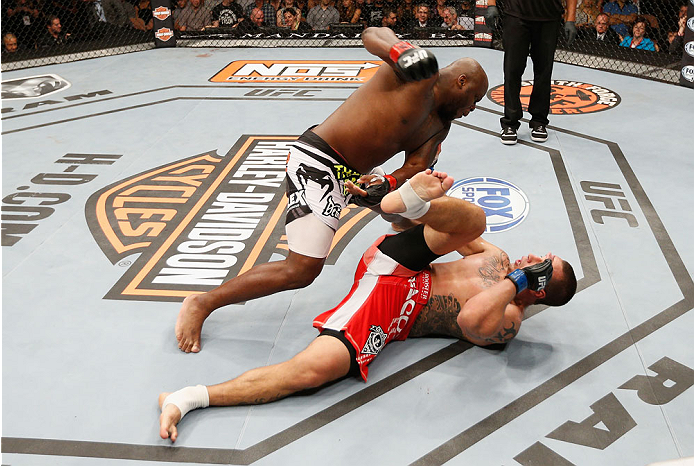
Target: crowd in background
(652,25)
(38,24)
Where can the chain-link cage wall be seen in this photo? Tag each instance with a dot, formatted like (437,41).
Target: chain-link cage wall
(641,38)
(41,32)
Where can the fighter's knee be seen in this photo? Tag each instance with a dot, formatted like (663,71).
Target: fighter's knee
(314,377)
(302,271)
(479,222)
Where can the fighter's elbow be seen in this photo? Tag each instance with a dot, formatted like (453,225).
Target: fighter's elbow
(473,327)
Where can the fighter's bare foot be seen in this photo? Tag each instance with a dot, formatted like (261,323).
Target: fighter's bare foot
(189,323)
(427,185)
(170,416)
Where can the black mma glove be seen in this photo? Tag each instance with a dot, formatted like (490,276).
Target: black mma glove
(534,277)
(413,63)
(375,189)
(491,17)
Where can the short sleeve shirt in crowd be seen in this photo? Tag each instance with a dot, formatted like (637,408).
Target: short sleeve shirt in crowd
(534,10)
(227,15)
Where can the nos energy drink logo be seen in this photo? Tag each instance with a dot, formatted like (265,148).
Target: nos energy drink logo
(293,71)
(504,204)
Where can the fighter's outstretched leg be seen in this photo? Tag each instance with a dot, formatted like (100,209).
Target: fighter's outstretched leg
(296,271)
(325,359)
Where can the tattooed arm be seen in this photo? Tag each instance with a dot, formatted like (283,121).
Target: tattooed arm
(441,316)
(438,317)
(486,318)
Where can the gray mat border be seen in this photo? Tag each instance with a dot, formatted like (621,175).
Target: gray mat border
(466,438)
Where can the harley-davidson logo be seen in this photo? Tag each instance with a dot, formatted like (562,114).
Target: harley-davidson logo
(200,221)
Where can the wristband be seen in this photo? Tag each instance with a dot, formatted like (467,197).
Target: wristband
(519,280)
(392,181)
(398,48)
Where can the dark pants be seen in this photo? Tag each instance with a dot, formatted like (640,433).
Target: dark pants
(540,37)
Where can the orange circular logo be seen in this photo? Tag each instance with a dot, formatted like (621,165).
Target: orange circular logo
(566,97)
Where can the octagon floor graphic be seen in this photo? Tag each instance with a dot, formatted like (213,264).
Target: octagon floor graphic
(107,180)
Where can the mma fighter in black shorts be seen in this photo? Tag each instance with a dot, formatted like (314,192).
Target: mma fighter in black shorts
(407,106)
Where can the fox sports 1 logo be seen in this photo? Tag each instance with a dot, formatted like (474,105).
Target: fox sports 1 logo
(504,203)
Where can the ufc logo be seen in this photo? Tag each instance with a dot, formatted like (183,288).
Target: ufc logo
(542,282)
(414,58)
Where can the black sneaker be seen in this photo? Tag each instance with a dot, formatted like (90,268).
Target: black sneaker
(508,136)
(539,133)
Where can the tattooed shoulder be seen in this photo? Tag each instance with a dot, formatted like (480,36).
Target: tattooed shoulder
(494,269)
(438,317)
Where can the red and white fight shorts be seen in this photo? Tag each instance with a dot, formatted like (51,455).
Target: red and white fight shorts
(381,306)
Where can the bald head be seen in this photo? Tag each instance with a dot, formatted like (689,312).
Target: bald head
(469,72)
(461,85)
(472,70)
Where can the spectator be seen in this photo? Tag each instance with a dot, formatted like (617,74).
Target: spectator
(406,14)
(436,13)
(622,14)
(422,17)
(390,18)
(68,12)
(143,19)
(54,35)
(9,45)
(639,40)
(587,13)
(226,14)
(676,38)
(255,22)
(104,17)
(178,7)
(601,33)
(118,12)
(23,19)
(349,11)
(373,14)
(453,22)
(280,12)
(269,12)
(302,8)
(467,8)
(276,5)
(194,17)
(292,21)
(323,15)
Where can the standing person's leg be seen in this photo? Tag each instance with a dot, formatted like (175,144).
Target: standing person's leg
(544,44)
(324,360)
(296,271)
(516,38)
(313,211)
